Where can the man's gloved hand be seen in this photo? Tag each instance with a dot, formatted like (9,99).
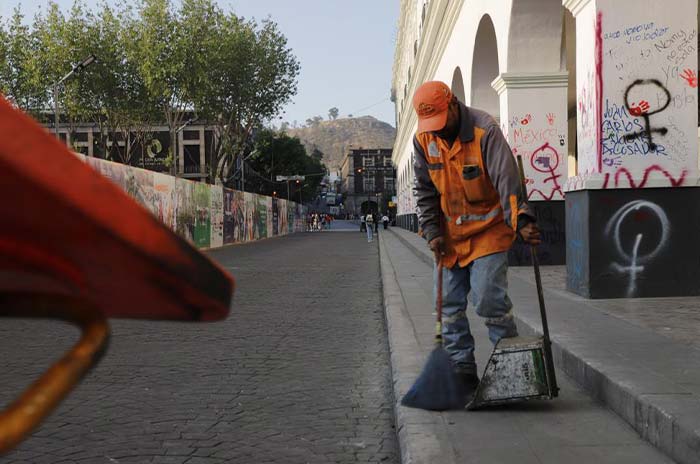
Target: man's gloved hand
(530,234)
(437,246)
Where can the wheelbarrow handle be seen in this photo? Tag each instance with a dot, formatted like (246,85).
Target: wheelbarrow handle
(41,397)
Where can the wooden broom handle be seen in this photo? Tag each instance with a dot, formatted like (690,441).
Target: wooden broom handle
(40,398)
(438,303)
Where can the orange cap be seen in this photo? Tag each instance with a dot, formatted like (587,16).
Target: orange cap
(431,101)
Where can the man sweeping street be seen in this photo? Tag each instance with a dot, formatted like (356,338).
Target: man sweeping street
(467,189)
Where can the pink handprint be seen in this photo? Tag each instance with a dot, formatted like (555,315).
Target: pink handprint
(526,120)
(550,118)
(691,77)
(639,109)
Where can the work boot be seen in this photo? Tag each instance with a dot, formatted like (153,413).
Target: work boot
(469,384)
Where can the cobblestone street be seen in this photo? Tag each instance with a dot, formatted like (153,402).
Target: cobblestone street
(298,373)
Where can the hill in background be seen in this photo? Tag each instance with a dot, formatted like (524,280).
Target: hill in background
(333,137)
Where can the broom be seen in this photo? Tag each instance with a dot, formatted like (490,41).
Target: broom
(437,388)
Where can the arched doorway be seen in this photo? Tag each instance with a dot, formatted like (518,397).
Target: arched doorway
(534,36)
(568,62)
(369,207)
(458,85)
(485,69)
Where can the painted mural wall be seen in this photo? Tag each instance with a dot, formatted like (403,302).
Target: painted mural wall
(637,94)
(206,215)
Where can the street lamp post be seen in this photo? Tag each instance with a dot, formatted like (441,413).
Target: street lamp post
(297,178)
(76,69)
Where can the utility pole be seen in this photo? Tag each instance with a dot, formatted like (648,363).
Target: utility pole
(76,69)
(297,178)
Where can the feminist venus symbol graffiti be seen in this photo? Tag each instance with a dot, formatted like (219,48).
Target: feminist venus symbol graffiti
(642,109)
(546,160)
(633,262)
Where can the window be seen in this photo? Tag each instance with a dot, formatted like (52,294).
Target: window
(387,162)
(368,161)
(368,184)
(388,185)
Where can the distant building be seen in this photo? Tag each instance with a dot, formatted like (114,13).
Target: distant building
(195,145)
(368,181)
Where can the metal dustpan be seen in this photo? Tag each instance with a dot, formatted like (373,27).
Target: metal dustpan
(520,368)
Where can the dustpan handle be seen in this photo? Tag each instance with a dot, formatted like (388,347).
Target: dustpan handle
(540,295)
(39,399)
(438,303)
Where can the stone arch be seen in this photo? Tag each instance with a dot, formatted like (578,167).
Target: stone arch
(458,84)
(485,68)
(534,36)
(568,63)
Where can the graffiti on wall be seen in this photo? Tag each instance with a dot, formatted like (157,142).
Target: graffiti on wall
(628,240)
(576,246)
(650,99)
(217,216)
(203,214)
(540,141)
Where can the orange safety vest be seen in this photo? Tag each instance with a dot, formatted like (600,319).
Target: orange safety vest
(471,208)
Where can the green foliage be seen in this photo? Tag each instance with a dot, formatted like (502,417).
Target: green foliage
(22,71)
(333,113)
(279,154)
(156,59)
(317,154)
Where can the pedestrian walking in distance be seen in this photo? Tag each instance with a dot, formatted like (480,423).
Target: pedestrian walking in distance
(369,220)
(385,221)
(470,209)
(363,224)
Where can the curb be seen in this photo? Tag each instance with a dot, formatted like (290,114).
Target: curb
(421,434)
(659,424)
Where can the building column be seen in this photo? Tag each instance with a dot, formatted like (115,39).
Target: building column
(180,153)
(91,143)
(534,121)
(636,86)
(636,65)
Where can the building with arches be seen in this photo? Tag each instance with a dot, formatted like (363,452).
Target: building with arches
(599,97)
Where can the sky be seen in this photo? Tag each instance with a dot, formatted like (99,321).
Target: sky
(345,47)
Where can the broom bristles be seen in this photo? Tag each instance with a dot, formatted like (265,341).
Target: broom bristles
(437,388)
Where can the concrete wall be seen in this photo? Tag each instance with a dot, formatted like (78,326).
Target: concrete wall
(206,215)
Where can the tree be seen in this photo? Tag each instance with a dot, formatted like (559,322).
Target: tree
(317,154)
(254,77)
(166,61)
(152,59)
(288,156)
(333,113)
(22,77)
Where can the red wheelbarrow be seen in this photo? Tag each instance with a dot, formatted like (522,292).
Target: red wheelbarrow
(74,246)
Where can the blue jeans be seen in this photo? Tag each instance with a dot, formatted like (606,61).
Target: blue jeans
(485,282)
(369,232)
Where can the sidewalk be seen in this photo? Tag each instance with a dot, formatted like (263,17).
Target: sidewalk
(650,380)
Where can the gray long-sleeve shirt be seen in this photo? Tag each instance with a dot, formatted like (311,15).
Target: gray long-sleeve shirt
(499,163)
